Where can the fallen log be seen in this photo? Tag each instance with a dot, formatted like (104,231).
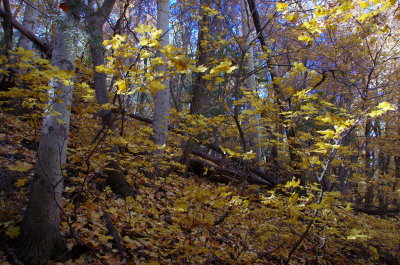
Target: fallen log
(114,233)
(212,171)
(222,169)
(256,175)
(376,211)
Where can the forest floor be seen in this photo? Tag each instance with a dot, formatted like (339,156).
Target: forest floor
(185,220)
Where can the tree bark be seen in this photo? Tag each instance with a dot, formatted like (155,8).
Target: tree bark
(199,84)
(29,23)
(162,97)
(369,171)
(290,130)
(251,79)
(40,238)
(397,158)
(7,27)
(95,21)
(44,48)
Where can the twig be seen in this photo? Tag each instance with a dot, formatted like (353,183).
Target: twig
(115,235)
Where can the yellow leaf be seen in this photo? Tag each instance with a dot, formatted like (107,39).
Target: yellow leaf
(299,67)
(293,183)
(249,155)
(294,198)
(20,182)
(107,106)
(157,61)
(219,80)
(281,6)
(305,38)
(314,160)
(144,41)
(181,205)
(60,121)
(328,134)
(145,54)
(224,66)
(156,34)
(101,68)
(198,69)
(207,77)
(155,86)
(13,231)
(364,4)
(209,11)
(143,28)
(320,11)
(385,106)
(19,166)
(381,109)
(375,113)
(219,203)
(357,234)
(292,17)
(122,88)
(364,17)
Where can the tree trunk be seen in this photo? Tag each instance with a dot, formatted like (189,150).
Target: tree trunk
(40,238)
(7,27)
(369,155)
(29,23)
(95,21)
(397,158)
(199,84)
(162,97)
(251,79)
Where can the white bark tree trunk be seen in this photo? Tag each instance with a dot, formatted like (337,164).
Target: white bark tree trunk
(162,97)
(40,238)
(249,68)
(29,22)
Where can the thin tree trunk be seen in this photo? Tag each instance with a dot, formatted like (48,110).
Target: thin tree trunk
(162,97)
(290,131)
(369,194)
(199,84)
(29,23)
(8,30)
(251,79)
(397,158)
(41,238)
(95,21)
(7,27)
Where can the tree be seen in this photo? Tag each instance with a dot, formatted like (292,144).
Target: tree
(29,23)
(7,27)
(94,28)
(162,96)
(247,49)
(40,238)
(199,84)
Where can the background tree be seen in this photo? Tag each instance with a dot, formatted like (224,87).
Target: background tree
(162,96)
(29,23)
